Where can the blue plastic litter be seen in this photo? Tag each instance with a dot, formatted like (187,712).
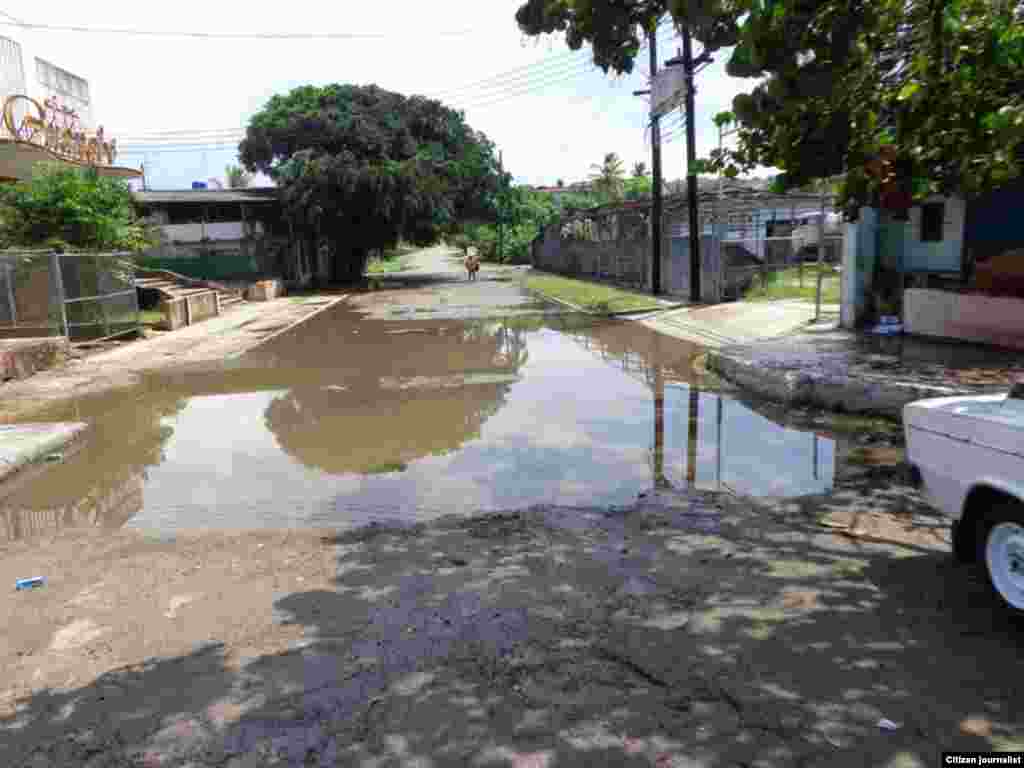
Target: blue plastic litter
(35,581)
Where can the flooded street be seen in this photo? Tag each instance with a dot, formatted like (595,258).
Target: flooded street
(583,550)
(351,419)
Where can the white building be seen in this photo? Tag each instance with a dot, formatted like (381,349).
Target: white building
(48,116)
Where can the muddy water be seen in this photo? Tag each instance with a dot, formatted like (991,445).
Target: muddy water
(351,419)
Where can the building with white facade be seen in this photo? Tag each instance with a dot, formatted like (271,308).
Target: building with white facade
(47,115)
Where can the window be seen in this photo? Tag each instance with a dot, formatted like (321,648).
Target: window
(932,216)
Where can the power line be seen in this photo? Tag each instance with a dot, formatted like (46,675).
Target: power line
(541,74)
(227,35)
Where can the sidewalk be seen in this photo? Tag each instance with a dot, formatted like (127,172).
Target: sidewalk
(740,322)
(857,373)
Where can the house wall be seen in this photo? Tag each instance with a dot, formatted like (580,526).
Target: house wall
(965,316)
(215,230)
(942,256)
(993,223)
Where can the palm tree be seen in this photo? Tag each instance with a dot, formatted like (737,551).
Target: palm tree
(237,177)
(608,178)
(639,170)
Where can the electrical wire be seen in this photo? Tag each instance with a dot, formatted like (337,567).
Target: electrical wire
(547,73)
(201,139)
(229,35)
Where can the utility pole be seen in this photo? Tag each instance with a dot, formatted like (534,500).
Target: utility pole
(656,201)
(501,189)
(689,65)
(691,169)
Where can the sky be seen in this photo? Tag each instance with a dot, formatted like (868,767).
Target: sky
(551,113)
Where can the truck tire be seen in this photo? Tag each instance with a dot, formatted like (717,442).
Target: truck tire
(1001,553)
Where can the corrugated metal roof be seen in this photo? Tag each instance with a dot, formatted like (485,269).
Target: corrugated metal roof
(254,195)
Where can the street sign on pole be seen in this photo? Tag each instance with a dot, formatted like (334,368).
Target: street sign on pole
(668,89)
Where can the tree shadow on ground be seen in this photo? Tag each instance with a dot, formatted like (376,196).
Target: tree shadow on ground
(684,630)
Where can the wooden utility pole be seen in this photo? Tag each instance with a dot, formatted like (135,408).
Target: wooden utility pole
(656,202)
(689,64)
(501,188)
(691,169)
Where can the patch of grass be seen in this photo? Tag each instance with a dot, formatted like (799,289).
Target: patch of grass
(151,316)
(383,469)
(785,284)
(592,297)
(397,260)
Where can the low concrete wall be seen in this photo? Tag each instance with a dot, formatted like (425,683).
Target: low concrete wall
(970,317)
(265,290)
(845,394)
(188,310)
(20,358)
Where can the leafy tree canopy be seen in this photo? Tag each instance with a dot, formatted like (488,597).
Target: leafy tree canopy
(363,167)
(903,97)
(70,208)
(615,28)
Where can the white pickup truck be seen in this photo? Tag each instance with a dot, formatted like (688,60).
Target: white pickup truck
(969,454)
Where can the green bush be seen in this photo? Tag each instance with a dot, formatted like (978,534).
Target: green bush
(62,207)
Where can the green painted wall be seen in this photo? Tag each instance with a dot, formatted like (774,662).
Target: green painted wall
(207,266)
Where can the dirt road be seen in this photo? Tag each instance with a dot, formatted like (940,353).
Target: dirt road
(686,629)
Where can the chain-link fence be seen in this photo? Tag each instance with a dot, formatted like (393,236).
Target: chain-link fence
(83,296)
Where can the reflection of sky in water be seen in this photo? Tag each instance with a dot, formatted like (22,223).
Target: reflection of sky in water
(574,430)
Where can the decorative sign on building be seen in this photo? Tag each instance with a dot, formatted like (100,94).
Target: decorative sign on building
(57,128)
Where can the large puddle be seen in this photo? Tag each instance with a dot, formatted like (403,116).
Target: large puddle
(349,420)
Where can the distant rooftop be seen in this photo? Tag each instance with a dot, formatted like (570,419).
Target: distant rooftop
(250,195)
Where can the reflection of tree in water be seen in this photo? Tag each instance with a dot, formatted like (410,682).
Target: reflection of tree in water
(102,485)
(431,398)
(377,430)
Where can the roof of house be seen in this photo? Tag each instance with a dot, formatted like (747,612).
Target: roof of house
(251,195)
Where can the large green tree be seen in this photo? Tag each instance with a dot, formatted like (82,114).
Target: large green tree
(363,167)
(904,97)
(615,29)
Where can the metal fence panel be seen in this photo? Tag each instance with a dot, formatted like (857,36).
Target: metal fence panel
(84,296)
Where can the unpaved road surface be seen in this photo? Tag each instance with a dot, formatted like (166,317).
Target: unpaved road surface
(686,629)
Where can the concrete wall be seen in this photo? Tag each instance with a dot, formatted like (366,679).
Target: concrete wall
(265,290)
(620,251)
(195,232)
(188,310)
(21,358)
(965,316)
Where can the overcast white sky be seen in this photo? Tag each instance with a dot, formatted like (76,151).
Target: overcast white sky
(142,85)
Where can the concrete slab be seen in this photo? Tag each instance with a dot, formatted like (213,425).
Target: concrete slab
(857,373)
(26,444)
(20,358)
(737,322)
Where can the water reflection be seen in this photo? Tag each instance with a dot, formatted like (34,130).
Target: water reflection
(357,419)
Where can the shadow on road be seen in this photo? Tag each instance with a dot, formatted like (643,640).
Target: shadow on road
(687,630)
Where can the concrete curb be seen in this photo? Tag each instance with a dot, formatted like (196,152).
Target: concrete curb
(290,326)
(624,314)
(29,445)
(843,394)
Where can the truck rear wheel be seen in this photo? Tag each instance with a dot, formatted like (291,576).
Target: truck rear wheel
(1001,551)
